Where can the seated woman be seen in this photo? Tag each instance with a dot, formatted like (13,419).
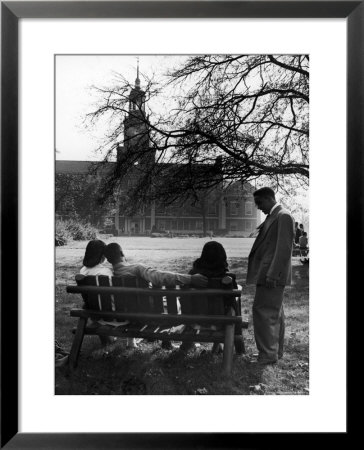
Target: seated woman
(93,264)
(213,264)
(93,261)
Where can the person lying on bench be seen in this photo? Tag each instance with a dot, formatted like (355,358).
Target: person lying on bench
(116,257)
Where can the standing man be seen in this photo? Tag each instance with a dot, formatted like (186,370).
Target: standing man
(269,268)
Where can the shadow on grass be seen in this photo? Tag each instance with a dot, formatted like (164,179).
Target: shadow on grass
(151,370)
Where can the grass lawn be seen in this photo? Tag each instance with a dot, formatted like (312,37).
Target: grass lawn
(152,370)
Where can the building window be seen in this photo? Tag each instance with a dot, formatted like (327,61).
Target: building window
(233,225)
(248,208)
(212,225)
(248,225)
(198,224)
(212,209)
(161,209)
(161,225)
(234,208)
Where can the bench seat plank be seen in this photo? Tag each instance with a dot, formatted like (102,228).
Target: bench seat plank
(190,336)
(175,319)
(179,292)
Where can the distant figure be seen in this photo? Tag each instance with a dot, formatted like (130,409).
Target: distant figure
(269,268)
(298,233)
(303,242)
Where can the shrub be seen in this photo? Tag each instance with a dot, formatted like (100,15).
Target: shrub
(73,229)
(62,233)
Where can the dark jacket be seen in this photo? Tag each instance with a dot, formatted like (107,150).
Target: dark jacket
(216,272)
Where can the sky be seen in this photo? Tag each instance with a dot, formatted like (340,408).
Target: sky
(75,74)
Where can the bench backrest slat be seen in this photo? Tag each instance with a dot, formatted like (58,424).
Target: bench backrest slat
(156,303)
(119,299)
(215,304)
(106,299)
(186,303)
(136,302)
(144,302)
(172,307)
(91,300)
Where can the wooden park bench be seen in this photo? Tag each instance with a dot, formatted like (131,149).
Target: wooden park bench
(165,313)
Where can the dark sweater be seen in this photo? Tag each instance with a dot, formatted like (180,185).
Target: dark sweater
(216,272)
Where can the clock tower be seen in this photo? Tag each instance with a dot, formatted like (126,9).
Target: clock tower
(136,130)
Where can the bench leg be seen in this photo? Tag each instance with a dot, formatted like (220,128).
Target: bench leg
(227,360)
(239,345)
(77,342)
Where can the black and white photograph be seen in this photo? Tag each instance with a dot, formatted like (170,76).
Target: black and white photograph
(182,224)
(181,202)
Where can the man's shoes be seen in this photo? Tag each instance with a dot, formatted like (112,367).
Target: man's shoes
(263,361)
(266,362)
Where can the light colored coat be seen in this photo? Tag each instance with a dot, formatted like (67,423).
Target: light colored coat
(272,250)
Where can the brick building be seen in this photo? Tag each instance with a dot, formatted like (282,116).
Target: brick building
(225,210)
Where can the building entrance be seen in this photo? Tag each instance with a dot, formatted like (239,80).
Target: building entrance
(135,226)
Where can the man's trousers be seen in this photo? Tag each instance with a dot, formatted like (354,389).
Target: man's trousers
(268,322)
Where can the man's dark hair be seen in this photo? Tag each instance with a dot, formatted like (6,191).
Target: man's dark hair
(265,192)
(113,253)
(301,225)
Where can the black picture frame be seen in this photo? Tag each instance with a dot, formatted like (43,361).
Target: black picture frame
(11,12)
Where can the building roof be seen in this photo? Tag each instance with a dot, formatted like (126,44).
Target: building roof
(85,167)
(80,167)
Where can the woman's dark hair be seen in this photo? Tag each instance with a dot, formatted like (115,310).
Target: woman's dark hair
(213,257)
(94,253)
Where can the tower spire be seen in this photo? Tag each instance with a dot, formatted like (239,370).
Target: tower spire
(137,80)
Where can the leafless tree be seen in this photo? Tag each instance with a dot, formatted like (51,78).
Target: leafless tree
(233,118)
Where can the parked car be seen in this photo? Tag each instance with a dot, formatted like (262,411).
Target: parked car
(159,233)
